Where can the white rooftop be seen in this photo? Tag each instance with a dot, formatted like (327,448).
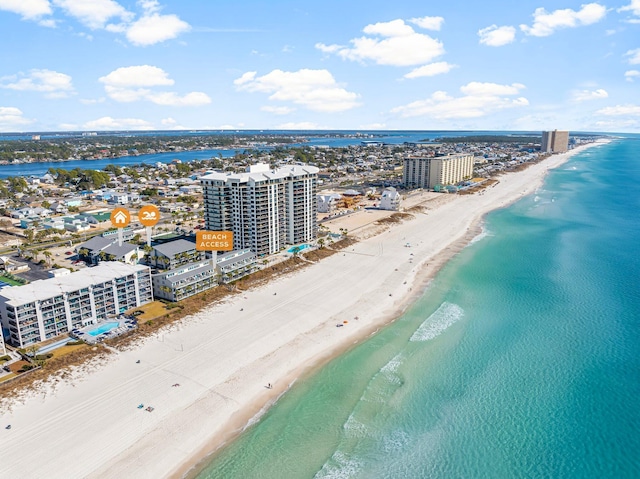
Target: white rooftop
(259,173)
(47,288)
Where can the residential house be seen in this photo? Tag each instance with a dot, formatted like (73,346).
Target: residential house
(100,248)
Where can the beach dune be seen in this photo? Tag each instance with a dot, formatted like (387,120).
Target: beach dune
(224,357)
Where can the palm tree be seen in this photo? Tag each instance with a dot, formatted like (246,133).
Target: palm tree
(47,254)
(29,235)
(321,243)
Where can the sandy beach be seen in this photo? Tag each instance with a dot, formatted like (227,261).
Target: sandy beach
(89,424)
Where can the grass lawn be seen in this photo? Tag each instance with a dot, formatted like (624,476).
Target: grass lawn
(151,310)
(64,350)
(10,281)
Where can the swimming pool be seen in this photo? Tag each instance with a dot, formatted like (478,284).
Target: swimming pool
(300,247)
(103,328)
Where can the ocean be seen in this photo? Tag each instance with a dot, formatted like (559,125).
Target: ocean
(520,360)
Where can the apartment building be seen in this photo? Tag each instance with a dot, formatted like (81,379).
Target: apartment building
(47,308)
(555,141)
(184,281)
(265,209)
(174,254)
(234,265)
(427,172)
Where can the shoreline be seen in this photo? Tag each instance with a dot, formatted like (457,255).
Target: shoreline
(224,364)
(421,281)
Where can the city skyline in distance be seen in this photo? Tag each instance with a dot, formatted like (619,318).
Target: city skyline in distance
(164,65)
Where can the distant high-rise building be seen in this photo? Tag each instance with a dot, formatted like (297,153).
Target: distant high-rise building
(555,141)
(427,172)
(265,209)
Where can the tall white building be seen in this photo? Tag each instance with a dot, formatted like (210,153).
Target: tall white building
(555,141)
(265,209)
(47,308)
(427,172)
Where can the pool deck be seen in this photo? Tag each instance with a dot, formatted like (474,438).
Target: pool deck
(125,324)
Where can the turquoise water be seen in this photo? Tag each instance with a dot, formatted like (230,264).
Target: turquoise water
(103,328)
(521,360)
(300,247)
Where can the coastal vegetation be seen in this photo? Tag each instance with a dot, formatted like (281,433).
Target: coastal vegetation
(69,146)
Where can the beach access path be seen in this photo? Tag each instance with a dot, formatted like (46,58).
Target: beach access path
(89,425)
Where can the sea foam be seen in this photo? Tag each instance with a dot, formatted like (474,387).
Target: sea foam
(443,317)
(339,466)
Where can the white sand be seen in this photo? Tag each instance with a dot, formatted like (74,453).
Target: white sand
(223,357)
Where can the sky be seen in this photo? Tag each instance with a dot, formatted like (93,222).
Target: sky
(96,65)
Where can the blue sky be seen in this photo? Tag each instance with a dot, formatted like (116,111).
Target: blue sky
(202,64)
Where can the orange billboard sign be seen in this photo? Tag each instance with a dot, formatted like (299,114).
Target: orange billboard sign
(214,240)
(120,217)
(149,215)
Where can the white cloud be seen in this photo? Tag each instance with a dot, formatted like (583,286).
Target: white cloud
(479,99)
(480,89)
(28,9)
(149,28)
(137,76)
(155,28)
(400,45)
(316,90)
(620,110)
(278,110)
(171,124)
(128,84)
(585,95)
(94,13)
(11,119)
(634,56)
(195,98)
(430,70)
(52,84)
(150,6)
(428,23)
(495,36)
(631,74)
(545,24)
(109,123)
(633,7)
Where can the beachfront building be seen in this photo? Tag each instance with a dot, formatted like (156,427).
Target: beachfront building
(47,308)
(390,199)
(555,141)
(328,203)
(429,172)
(234,265)
(184,281)
(265,209)
(174,254)
(108,248)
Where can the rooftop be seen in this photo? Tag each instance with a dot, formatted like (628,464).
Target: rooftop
(46,288)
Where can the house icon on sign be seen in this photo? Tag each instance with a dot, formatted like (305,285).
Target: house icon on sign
(120,218)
